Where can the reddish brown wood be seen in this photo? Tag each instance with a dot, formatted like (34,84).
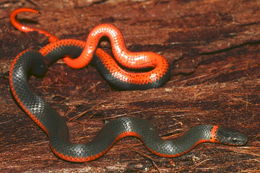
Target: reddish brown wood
(213,46)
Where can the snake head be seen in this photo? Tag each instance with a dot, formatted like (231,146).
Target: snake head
(231,137)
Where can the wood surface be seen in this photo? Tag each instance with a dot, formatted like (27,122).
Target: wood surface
(213,47)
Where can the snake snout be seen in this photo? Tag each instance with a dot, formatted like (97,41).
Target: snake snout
(231,137)
(239,139)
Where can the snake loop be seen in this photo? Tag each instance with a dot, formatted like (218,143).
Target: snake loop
(109,68)
(36,63)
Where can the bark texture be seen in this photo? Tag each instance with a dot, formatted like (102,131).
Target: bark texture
(213,47)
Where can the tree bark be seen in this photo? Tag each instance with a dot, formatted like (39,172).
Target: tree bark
(213,48)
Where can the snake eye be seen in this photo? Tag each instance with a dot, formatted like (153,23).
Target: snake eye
(235,140)
(231,137)
(240,139)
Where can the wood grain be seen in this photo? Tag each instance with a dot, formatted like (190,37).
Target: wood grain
(213,47)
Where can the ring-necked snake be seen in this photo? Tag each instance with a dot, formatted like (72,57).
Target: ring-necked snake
(109,68)
(36,63)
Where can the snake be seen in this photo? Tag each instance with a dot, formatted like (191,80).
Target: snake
(36,62)
(126,78)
